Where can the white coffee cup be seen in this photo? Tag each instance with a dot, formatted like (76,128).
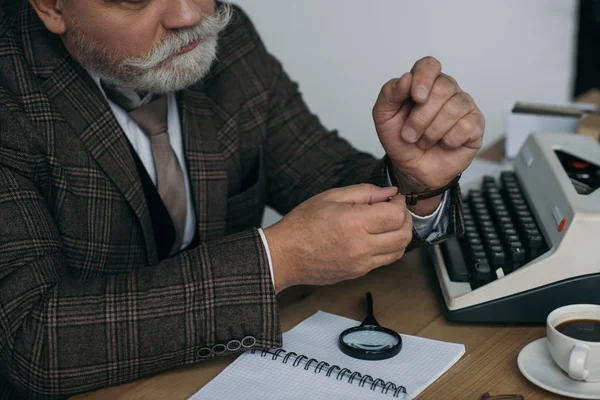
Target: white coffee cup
(580,359)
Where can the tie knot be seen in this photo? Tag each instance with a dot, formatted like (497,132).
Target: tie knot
(119,97)
(152,117)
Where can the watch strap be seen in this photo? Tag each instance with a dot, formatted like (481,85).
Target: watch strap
(413,198)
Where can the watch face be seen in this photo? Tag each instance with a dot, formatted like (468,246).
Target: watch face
(584,174)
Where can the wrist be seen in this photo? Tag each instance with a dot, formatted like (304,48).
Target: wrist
(420,197)
(405,182)
(280,258)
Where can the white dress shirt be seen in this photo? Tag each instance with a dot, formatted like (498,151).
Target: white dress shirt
(427,227)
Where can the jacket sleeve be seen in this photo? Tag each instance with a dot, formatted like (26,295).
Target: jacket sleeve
(61,336)
(305,159)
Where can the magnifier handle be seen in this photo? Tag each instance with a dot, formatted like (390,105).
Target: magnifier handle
(370,319)
(370,304)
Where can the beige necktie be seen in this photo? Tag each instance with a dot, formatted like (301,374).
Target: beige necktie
(152,118)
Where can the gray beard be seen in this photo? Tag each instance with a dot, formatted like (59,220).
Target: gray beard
(161,71)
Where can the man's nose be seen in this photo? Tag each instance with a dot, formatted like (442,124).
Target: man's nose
(181,14)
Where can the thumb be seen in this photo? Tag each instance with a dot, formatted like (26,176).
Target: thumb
(362,194)
(399,199)
(392,96)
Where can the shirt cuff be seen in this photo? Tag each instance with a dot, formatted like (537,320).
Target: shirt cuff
(424,226)
(266,244)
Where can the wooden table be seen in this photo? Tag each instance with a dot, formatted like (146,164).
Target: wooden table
(405,300)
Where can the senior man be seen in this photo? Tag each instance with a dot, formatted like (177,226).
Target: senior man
(140,141)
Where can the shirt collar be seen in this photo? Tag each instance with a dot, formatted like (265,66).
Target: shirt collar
(130,94)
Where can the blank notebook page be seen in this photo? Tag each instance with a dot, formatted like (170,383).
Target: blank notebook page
(252,376)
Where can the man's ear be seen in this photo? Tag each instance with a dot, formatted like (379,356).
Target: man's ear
(51,14)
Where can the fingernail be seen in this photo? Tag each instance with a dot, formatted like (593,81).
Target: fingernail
(422,93)
(409,134)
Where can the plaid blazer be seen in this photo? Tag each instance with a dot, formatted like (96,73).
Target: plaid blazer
(84,301)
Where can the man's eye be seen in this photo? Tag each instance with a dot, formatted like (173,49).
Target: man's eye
(134,4)
(130,3)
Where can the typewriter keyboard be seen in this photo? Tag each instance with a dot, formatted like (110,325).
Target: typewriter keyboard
(501,234)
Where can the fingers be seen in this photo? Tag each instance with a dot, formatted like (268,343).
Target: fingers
(425,72)
(390,226)
(361,194)
(390,246)
(384,217)
(393,242)
(467,132)
(422,115)
(392,97)
(395,92)
(386,259)
(399,199)
(456,108)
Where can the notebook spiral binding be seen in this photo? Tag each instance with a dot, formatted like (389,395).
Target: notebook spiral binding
(333,370)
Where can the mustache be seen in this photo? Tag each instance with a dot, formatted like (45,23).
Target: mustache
(208,28)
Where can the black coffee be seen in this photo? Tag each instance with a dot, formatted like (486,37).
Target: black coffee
(581,329)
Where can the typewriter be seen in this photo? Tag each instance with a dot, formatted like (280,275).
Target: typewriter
(532,236)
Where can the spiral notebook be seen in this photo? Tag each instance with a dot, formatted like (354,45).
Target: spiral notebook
(311,366)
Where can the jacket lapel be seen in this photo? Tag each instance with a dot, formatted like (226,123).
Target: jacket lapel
(77,98)
(205,162)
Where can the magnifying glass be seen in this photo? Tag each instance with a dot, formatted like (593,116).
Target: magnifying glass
(369,340)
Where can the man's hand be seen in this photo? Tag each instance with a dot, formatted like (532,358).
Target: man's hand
(429,128)
(339,234)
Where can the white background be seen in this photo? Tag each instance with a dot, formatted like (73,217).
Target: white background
(342,51)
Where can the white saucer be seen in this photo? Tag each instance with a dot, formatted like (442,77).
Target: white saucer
(537,365)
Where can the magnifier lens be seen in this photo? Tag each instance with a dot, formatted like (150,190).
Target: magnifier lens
(371,339)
